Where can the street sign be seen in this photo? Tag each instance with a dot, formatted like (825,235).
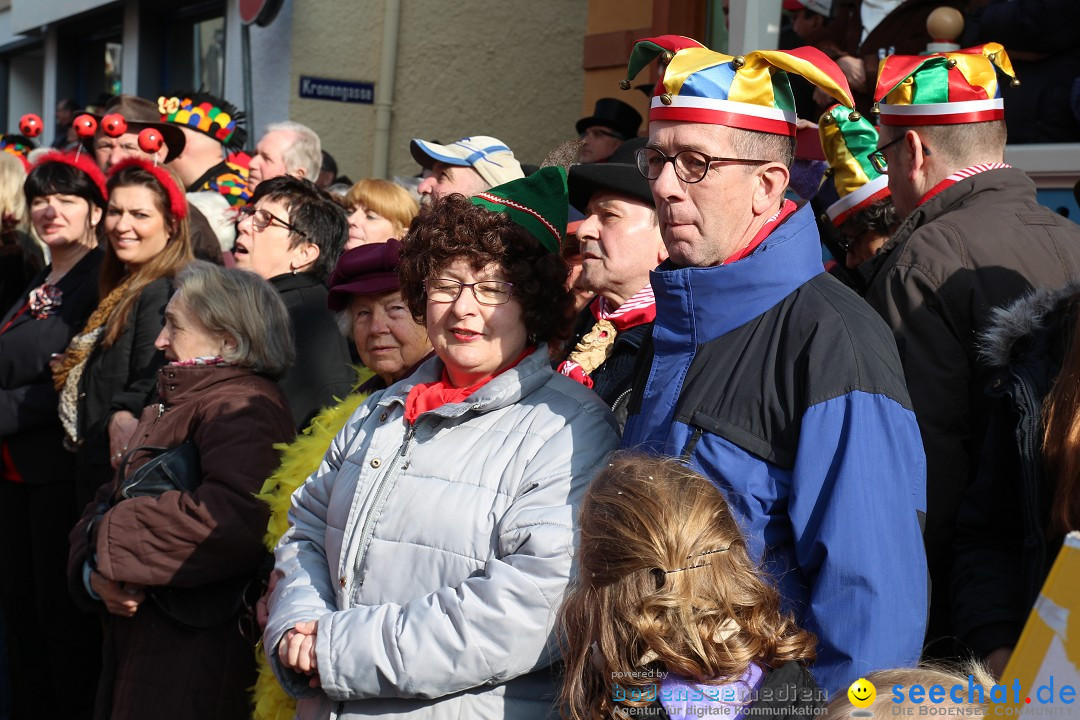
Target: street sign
(340,90)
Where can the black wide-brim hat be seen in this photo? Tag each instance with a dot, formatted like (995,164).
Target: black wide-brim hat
(614,114)
(140,114)
(619,175)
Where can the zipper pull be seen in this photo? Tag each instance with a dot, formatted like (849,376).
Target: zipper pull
(160,409)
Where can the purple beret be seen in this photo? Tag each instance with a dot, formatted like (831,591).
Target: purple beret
(366,270)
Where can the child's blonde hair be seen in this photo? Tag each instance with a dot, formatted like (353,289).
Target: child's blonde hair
(664,583)
(926,675)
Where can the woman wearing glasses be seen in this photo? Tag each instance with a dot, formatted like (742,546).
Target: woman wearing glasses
(291,234)
(428,554)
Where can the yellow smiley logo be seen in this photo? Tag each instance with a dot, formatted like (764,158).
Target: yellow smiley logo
(862,693)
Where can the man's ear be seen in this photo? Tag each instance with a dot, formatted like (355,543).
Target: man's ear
(772,183)
(913,147)
(299,173)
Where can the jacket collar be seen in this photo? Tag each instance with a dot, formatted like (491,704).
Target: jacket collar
(288,281)
(1010,181)
(702,304)
(177,384)
(504,390)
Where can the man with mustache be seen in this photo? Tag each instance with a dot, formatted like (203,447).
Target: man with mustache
(765,373)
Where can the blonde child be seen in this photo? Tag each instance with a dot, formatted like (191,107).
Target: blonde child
(668,616)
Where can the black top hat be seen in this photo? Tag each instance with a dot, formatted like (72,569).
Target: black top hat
(613,114)
(619,174)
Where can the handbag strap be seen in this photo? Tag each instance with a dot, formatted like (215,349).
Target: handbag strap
(155,449)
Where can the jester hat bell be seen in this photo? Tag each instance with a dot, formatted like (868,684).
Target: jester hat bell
(943,88)
(538,203)
(847,139)
(750,91)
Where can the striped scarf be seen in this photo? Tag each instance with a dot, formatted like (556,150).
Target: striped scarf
(961,175)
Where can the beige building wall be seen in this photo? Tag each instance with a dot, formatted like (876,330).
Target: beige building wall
(509,69)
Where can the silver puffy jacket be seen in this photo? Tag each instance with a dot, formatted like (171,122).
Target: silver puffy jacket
(435,556)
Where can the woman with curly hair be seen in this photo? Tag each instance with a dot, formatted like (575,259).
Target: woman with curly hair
(668,616)
(426,557)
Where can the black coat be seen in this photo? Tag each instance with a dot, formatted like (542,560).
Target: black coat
(322,373)
(1003,554)
(120,377)
(29,422)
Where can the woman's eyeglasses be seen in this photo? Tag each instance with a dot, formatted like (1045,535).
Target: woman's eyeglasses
(262,219)
(486,292)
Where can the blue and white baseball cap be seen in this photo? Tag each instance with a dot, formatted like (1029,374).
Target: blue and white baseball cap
(486,155)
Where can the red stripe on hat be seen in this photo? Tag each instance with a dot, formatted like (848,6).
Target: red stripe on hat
(950,119)
(723,117)
(879,195)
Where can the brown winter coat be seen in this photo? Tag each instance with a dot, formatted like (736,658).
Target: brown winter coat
(979,244)
(153,667)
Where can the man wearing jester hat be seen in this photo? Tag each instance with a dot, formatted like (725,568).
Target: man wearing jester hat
(974,238)
(767,374)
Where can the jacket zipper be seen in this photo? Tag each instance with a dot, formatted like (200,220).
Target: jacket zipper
(381,492)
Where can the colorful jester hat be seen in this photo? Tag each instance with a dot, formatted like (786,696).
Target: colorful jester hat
(207,114)
(537,203)
(847,139)
(748,91)
(19,146)
(943,88)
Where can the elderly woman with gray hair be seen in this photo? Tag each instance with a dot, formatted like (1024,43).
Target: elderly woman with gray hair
(169,566)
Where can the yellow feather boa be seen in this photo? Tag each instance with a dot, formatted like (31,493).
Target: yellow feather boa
(299,460)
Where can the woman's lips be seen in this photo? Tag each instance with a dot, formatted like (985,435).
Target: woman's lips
(464,335)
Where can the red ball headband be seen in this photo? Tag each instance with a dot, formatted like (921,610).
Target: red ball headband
(83,163)
(178,205)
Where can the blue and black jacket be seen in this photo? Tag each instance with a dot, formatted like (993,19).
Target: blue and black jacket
(785,388)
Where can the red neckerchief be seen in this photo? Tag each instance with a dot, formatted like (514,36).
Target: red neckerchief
(960,175)
(786,208)
(424,397)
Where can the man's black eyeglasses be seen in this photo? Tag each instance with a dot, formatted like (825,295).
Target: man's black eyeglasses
(877,158)
(690,165)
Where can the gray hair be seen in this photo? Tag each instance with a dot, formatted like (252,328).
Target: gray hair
(305,153)
(244,306)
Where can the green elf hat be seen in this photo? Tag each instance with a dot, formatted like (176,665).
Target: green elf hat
(539,203)
(847,139)
(207,114)
(750,91)
(943,88)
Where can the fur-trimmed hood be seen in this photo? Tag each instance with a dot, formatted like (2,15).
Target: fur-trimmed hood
(1000,344)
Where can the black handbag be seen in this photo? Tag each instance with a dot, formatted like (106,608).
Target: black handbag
(178,468)
(170,469)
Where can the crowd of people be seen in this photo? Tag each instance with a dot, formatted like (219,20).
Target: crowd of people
(360,449)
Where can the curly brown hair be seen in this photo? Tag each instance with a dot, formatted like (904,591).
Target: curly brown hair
(451,228)
(664,584)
